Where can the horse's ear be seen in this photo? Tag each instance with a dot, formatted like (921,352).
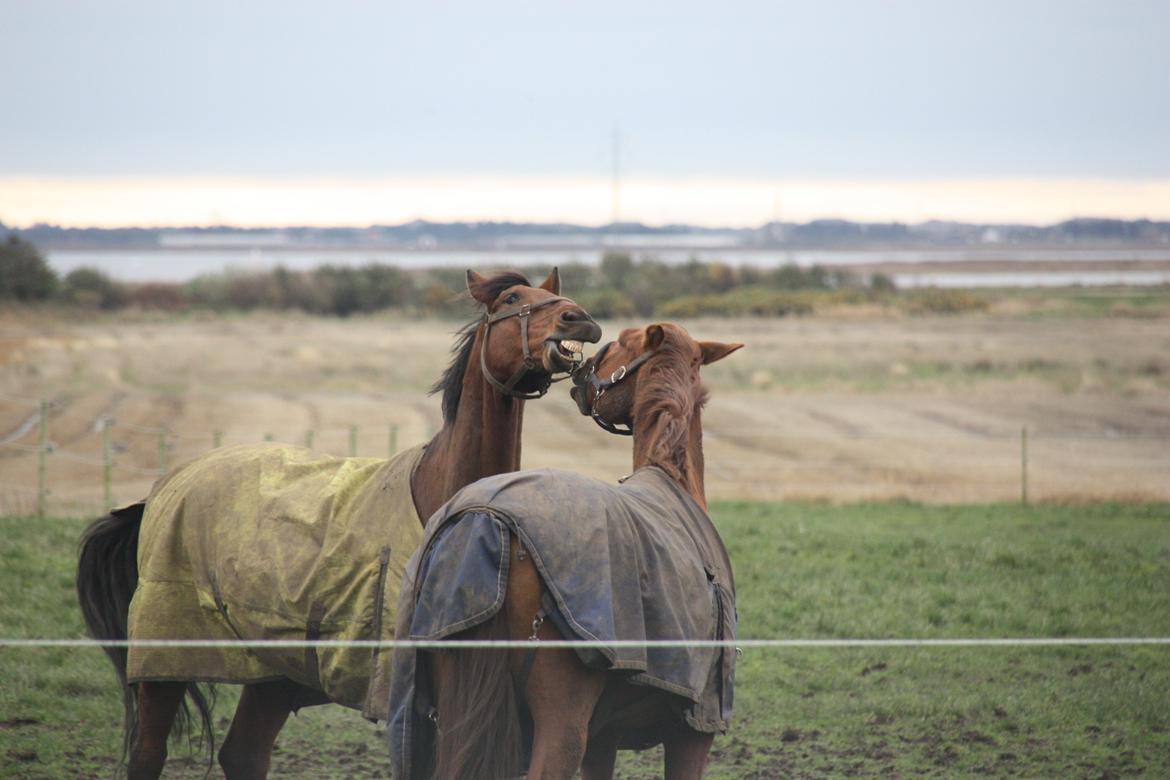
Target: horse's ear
(655,335)
(553,282)
(475,286)
(714,350)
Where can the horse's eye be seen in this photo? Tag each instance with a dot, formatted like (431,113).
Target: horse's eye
(513,298)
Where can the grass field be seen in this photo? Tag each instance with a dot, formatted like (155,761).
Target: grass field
(889,570)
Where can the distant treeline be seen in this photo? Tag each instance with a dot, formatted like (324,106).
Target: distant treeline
(620,286)
(422,233)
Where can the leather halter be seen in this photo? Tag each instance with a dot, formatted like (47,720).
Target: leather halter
(530,364)
(587,375)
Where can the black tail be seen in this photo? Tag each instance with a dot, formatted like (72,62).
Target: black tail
(479,716)
(107,574)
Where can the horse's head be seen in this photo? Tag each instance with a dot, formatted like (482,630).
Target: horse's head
(607,385)
(530,333)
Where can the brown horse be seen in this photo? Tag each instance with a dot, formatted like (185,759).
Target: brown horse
(526,335)
(581,715)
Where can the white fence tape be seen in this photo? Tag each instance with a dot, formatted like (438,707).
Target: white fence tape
(574,643)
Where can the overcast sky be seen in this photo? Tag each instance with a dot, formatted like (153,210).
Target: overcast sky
(757,92)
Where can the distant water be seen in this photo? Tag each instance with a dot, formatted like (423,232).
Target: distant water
(1032,279)
(180,265)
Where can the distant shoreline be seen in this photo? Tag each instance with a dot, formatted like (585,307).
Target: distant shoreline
(1091,265)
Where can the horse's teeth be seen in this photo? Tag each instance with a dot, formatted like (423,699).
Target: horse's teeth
(572,346)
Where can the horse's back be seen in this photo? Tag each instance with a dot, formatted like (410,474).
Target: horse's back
(273,542)
(635,561)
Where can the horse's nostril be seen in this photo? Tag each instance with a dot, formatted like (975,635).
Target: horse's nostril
(574,315)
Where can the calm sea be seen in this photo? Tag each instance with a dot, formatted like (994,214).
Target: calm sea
(178,265)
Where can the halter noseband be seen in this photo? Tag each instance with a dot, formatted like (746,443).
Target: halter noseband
(530,364)
(587,375)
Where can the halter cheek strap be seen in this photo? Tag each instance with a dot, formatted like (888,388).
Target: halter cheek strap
(587,375)
(530,363)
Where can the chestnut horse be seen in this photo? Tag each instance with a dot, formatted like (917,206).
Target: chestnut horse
(526,335)
(652,388)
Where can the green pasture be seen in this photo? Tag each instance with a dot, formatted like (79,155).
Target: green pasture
(804,571)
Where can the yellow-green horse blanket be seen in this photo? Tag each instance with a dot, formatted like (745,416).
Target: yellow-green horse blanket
(275,542)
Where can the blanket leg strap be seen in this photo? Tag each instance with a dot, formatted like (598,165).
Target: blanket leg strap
(530,656)
(312,634)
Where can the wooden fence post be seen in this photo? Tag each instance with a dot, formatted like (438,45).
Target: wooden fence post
(162,451)
(352,441)
(42,453)
(309,436)
(393,440)
(1024,465)
(107,463)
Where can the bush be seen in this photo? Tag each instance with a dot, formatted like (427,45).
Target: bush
(754,302)
(882,283)
(93,288)
(940,301)
(157,295)
(616,268)
(607,304)
(24,273)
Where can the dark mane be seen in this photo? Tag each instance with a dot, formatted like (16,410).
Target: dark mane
(450,384)
(672,397)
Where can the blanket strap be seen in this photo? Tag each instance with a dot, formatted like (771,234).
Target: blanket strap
(530,656)
(312,634)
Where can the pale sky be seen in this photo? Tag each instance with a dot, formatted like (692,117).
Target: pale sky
(730,113)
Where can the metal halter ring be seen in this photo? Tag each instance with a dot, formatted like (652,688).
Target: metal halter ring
(586,375)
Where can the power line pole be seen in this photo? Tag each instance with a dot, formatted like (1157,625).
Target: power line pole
(617,174)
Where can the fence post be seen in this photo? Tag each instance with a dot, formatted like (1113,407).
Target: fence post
(352,441)
(393,440)
(162,451)
(42,453)
(268,437)
(1024,465)
(107,463)
(217,439)
(309,436)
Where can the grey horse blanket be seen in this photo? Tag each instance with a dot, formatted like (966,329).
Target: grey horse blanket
(637,560)
(274,542)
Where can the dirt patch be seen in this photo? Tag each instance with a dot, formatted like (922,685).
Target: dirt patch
(16,723)
(22,756)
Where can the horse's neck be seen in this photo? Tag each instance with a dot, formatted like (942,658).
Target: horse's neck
(685,467)
(483,439)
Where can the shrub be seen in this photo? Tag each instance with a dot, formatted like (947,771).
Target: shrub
(755,302)
(157,295)
(91,287)
(882,283)
(940,301)
(24,273)
(616,268)
(606,304)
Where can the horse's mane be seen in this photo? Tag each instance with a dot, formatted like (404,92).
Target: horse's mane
(671,396)
(450,384)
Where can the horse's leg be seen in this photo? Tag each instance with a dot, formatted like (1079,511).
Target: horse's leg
(600,757)
(686,754)
(157,704)
(560,691)
(261,714)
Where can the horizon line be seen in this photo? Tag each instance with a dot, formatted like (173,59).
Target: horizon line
(277,226)
(706,202)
